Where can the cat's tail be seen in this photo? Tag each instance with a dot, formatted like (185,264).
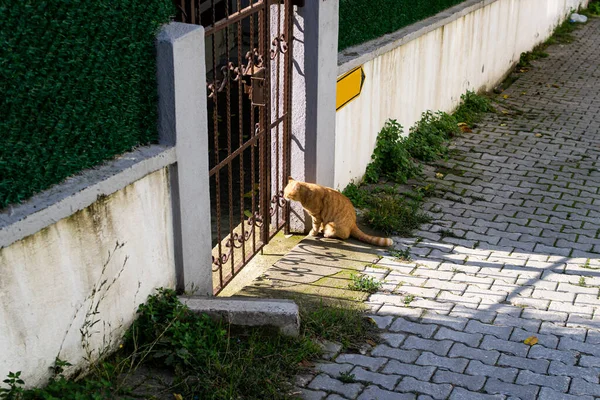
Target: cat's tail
(363,237)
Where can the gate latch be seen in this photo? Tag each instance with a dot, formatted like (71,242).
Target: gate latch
(254,85)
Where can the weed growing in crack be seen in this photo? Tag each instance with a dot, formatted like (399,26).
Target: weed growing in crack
(444,233)
(408,299)
(364,283)
(347,377)
(581,281)
(402,255)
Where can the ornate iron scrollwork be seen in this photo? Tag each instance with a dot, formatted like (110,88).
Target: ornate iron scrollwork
(236,240)
(279,45)
(277,201)
(253,68)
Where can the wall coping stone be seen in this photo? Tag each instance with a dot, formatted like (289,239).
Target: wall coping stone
(80,191)
(356,56)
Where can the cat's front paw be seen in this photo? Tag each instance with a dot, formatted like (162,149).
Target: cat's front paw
(313,232)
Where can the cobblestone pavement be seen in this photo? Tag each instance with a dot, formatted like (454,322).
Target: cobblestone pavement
(513,252)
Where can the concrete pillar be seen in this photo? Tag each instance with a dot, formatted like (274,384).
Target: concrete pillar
(183,123)
(314,85)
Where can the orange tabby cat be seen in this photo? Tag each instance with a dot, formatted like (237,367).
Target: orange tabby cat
(330,210)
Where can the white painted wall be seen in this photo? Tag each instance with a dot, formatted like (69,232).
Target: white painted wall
(428,67)
(46,279)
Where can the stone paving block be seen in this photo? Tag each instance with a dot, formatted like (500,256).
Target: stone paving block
(306,394)
(572,309)
(333,369)
(590,374)
(393,339)
(552,295)
(335,397)
(589,361)
(435,390)
(383,380)
(407,356)
(501,332)
(400,311)
(452,364)
(480,369)
(471,339)
(432,305)
(445,320)
(376,393)
(486,356)
(373,363)
(462,394)
(470,382)
(510,321)
(549,341)
(505,346)
(551,394)
(544,315)
(495,386)
(439,347)
(480,316)
(558,383)
(325,383)
(541,352)
(536,365)
(397,368)
(570,344)
(582,387)
(403,325)
(382,322)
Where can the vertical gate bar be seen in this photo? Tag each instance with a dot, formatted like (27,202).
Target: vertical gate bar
(289,35)
(267,121)
(253,132)
(229,164)
(216,150)
(182,10)
(193,11)
(277,113)
(261,145)
(241,133)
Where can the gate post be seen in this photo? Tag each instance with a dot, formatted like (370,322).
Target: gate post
(314,90)
(183,123)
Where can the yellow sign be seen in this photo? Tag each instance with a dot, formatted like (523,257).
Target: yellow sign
(349,86)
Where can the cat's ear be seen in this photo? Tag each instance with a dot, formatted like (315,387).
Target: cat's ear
(290,179)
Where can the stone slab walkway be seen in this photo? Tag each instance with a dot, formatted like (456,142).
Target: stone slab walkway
(513,252)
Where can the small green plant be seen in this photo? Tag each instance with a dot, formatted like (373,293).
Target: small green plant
(342,324)
(358,196)
(347,377)
(391,159)
(14,390)
(428,137)
(408,299)
(364,283)
(594,8)
(396,215)
(529,56)
(444,233)
(472,108)
(402,255)
(581,281)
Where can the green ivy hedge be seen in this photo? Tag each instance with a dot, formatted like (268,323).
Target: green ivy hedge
(78,86)
(363,20)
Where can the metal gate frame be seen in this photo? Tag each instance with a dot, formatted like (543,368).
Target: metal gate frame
(270,60)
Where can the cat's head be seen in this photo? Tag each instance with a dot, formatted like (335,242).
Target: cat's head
(293,190)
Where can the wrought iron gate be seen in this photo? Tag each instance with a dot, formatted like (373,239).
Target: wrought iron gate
(249,67)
